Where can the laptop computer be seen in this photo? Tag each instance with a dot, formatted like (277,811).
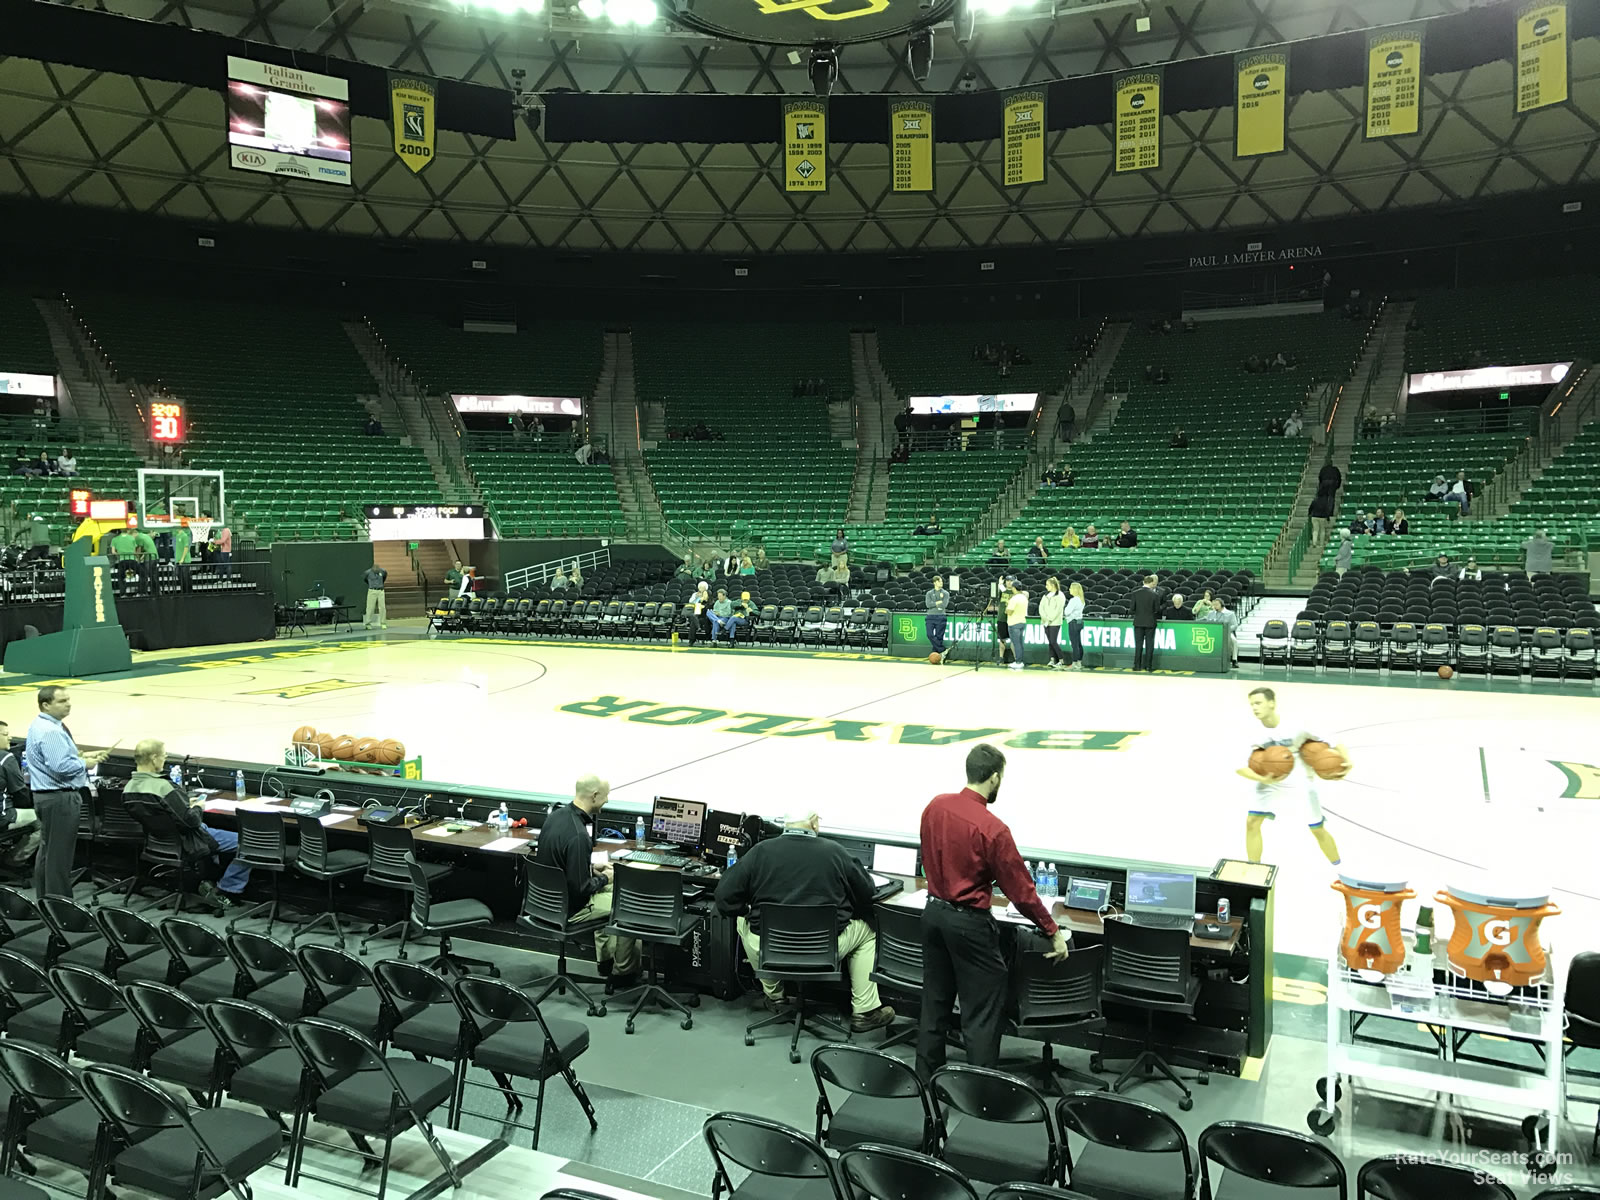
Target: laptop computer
(1160,899)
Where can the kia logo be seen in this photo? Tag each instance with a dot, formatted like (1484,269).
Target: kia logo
(249,158)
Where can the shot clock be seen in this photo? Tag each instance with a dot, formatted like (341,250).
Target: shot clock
(166,421)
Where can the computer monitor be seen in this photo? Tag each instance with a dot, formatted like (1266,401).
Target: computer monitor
(722,832)
(677,821)
(1168,893)
(894,860)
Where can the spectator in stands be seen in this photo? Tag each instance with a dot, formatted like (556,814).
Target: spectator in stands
(1037,554)
(687,569)
(1293,426)
(1341,561)
(47,465)
(576,577)
(1361,524)
(1279,362)
(67,464)
(1001,556)
(1017,622)
(22,464)
(1443,568)
(706,572)
(1052,608)
(1091,539)
(840,550)
(747,565)
(1166,325)
(1180,440)
(1275,427)
(1070,539)
(1538,554)
(1149,373)
(1438,490)
(1458,495)
(1330,477)
(584,454)
(1177,610)
(1066,476)
(1252,364)
(1380,523)
(1067,422)
(559,582)
(730,562)
(1203,605)
(373,427)
(1471,570)
(761,558)
(1371,426)
(1321,512)
(535,430)
(1128,538)
(1399,526)
(722,617)
(933,528)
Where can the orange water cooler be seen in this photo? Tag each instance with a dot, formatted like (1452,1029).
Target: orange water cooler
(1371,942)
(1495,941)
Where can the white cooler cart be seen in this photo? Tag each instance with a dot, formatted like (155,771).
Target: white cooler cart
(1455,1010)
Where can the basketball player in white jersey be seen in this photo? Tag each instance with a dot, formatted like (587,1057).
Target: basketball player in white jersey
(1275,795)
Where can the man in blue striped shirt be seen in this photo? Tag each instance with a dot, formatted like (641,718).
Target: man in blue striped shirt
(59,777)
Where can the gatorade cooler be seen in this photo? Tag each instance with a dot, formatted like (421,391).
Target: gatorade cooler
(1371,943)
(1496,938)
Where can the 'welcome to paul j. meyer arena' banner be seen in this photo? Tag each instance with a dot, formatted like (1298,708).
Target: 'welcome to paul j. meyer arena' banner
(1180,646)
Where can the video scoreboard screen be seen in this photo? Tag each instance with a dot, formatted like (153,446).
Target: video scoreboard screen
(284,121)
(542,406)
(422,522)
(1000,402)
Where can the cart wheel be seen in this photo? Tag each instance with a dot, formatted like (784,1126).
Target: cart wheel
(1541,1165)
(1186,1104)
(1097,1064)
(1322,1090)
(1321,1122)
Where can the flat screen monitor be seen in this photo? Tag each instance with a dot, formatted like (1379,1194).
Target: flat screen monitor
(723,831)
(1166,892)
(289,122)
(677,821)
(894,860)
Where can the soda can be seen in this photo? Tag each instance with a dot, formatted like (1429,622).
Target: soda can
(1222,910)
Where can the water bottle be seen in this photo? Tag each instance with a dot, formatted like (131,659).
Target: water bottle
(503,818)
(733,857)
(1041,878)
(638,830)
(238,784)
(1053,882)
(176,775)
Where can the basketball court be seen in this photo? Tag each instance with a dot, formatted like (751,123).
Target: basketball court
(1450,781)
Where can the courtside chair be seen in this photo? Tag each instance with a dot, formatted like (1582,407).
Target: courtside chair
(1148,969)
(647,906)
(1576,1191)
(181,1048)
(513,1039)
(1129,1147)
(316,861)
(388,848)
(134,949)
(545,914)
(263,846)
(99,1026)
(877,1170)
(269,974)
(1055,999)
(76,938)
(370,1096)
(1405,1177)
(1034,1191)
(261,1067)
(30,1009)
(163,852)
(22,927)
(993,1126)
(171,1152)
(342,988)
(898,968)
(799,945)
(201,965)
(884,1100)
(769,1151)
(429,1020)
(48,1116)
(431,919)
(1291,1161)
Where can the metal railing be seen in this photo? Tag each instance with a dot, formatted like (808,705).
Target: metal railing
(542,572)
(1422,423)
(476,440)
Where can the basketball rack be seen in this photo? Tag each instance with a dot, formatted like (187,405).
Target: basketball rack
(306,754)
(1425,992)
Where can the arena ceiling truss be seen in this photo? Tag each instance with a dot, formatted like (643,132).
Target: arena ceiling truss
(114,141)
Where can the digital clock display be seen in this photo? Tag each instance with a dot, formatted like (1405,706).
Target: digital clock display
(419,522)
(424,512)
(166,421)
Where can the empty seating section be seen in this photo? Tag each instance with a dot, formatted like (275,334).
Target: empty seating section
(936,359)
(272,395)
(533,494)
(775,465)
(958,486)
(1222,501)
(547,358)
(24,340)
(1544,321)
(1391,473)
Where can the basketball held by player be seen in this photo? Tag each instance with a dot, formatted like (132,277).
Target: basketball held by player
(1280,786)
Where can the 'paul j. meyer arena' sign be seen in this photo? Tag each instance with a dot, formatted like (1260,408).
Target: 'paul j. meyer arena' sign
(1180,646)
(1254,254)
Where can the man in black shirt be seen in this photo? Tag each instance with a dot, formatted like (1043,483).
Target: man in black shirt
(1146,604)
(14,789)
(565,841)
(798,867)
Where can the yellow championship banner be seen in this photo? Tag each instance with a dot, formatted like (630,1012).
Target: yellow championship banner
(1394,83)
(411,109)
(805,146)
(1022,135)
(1137,96)
(911,144)
(1261,103)
(1542,63)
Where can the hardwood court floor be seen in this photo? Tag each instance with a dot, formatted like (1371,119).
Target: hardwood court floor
(1449,781)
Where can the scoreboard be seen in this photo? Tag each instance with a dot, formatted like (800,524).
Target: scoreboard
(166,421)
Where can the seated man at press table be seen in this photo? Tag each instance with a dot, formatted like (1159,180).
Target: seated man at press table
(798,867)
(565,841)
(150,791)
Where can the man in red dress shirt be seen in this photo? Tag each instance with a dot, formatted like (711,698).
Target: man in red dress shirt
(966,852)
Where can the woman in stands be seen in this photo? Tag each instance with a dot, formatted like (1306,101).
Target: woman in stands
(1203,605)
(1399,525)
(1070,539)
(1091,539)
(746,565)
